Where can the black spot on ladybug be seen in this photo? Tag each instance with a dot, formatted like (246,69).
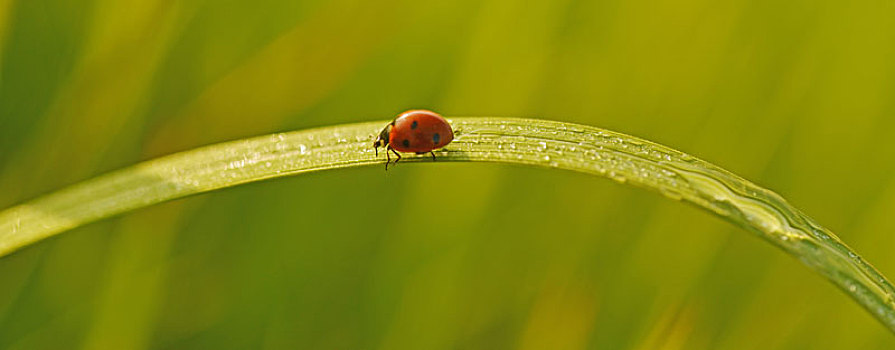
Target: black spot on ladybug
(436,138)
(413,126)
(406,143)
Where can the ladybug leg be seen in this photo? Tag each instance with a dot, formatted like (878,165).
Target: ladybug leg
(397,154)
(433,155)
(388,159)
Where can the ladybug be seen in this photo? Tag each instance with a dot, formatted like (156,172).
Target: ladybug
(418,131)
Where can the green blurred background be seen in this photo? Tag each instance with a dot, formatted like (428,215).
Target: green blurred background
(798,96)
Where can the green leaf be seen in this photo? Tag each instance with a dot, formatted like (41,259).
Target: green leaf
(623,158)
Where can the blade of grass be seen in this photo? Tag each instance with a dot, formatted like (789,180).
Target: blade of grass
(551,144)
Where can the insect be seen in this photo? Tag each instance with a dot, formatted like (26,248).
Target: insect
(418,131)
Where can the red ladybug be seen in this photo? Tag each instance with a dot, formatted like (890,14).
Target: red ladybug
(418,131)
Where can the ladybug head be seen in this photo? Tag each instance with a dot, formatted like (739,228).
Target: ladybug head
(382,140)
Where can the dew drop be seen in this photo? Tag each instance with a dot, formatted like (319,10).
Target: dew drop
(617,177)
(670,193)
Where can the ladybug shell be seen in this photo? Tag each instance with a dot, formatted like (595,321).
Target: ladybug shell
(420,131)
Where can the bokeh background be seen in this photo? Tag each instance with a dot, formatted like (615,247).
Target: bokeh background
(798,96)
